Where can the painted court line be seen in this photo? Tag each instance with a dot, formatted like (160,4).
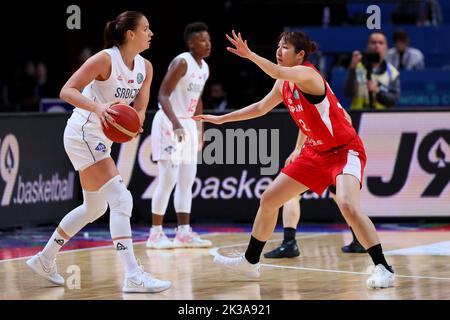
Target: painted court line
(343,271)
(95,248)
(74,250)
(214,252)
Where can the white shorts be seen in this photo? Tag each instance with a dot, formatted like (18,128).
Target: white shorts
(85,143)
(166,147)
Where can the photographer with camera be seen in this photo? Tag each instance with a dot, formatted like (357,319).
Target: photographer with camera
(371,81)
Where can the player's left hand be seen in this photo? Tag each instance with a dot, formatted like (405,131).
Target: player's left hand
(208,118)
(241,49)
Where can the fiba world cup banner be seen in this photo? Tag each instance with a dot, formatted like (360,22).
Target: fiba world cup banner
(38,185)
(408,166)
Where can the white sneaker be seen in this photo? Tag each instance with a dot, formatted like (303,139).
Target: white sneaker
(381,278)
(42,267)
(239,265)
(144,282)
(190,240)
(158,240)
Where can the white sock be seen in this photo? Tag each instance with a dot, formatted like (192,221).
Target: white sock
(53,245)
(156,229)
(124,249)
(184,228)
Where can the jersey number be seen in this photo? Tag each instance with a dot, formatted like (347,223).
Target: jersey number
(304,127)
(192,105)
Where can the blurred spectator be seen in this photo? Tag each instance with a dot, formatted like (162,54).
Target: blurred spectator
(372,82)
(419,12)
(23,94)
(3,95)
(42,88)
(85,54)
(402,56)
(431,13)
(26,87)
(217,97)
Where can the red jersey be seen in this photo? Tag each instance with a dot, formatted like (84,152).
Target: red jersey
(324,123)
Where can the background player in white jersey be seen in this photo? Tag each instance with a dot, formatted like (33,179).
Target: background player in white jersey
(176,138)
(116,74)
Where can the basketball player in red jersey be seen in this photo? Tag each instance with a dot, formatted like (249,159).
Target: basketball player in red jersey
(335,156)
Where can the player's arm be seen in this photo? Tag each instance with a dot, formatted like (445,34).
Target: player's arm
(97,67)
(307,78)
(143,97)
(300,140)
(199,110)
(255,110)
(298,147)
(176,71)
(347,116)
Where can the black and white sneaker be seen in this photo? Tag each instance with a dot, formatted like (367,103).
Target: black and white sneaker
(353,247)
(288,249)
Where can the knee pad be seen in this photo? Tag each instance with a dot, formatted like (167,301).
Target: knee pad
(119,198)
(94,204)
(125,204)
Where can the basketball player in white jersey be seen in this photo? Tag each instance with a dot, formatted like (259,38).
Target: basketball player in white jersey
(176,139)
(116,74)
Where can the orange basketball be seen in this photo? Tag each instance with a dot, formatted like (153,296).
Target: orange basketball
(127,124)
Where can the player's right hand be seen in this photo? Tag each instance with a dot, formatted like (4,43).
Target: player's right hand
(180,134)
(208,118)
(104,112)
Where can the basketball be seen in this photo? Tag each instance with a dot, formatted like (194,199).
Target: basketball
(127,124)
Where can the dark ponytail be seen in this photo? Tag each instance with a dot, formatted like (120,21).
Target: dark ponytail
(109,34)
(300,41)
(115,30)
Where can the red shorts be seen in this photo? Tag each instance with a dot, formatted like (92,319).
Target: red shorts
(318,169)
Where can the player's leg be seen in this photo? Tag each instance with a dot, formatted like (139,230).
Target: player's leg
(185,237)
(94,206)
(167,177)
(291,217)
(105,175)
(348,200)
(281,190)
(355,246)
(103,179)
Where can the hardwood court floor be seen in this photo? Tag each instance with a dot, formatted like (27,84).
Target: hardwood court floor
(322,271)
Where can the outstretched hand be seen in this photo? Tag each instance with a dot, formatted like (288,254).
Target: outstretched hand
(208,118)
(241,48)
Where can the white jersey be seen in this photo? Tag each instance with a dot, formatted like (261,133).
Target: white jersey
(185,96)
(123,85)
